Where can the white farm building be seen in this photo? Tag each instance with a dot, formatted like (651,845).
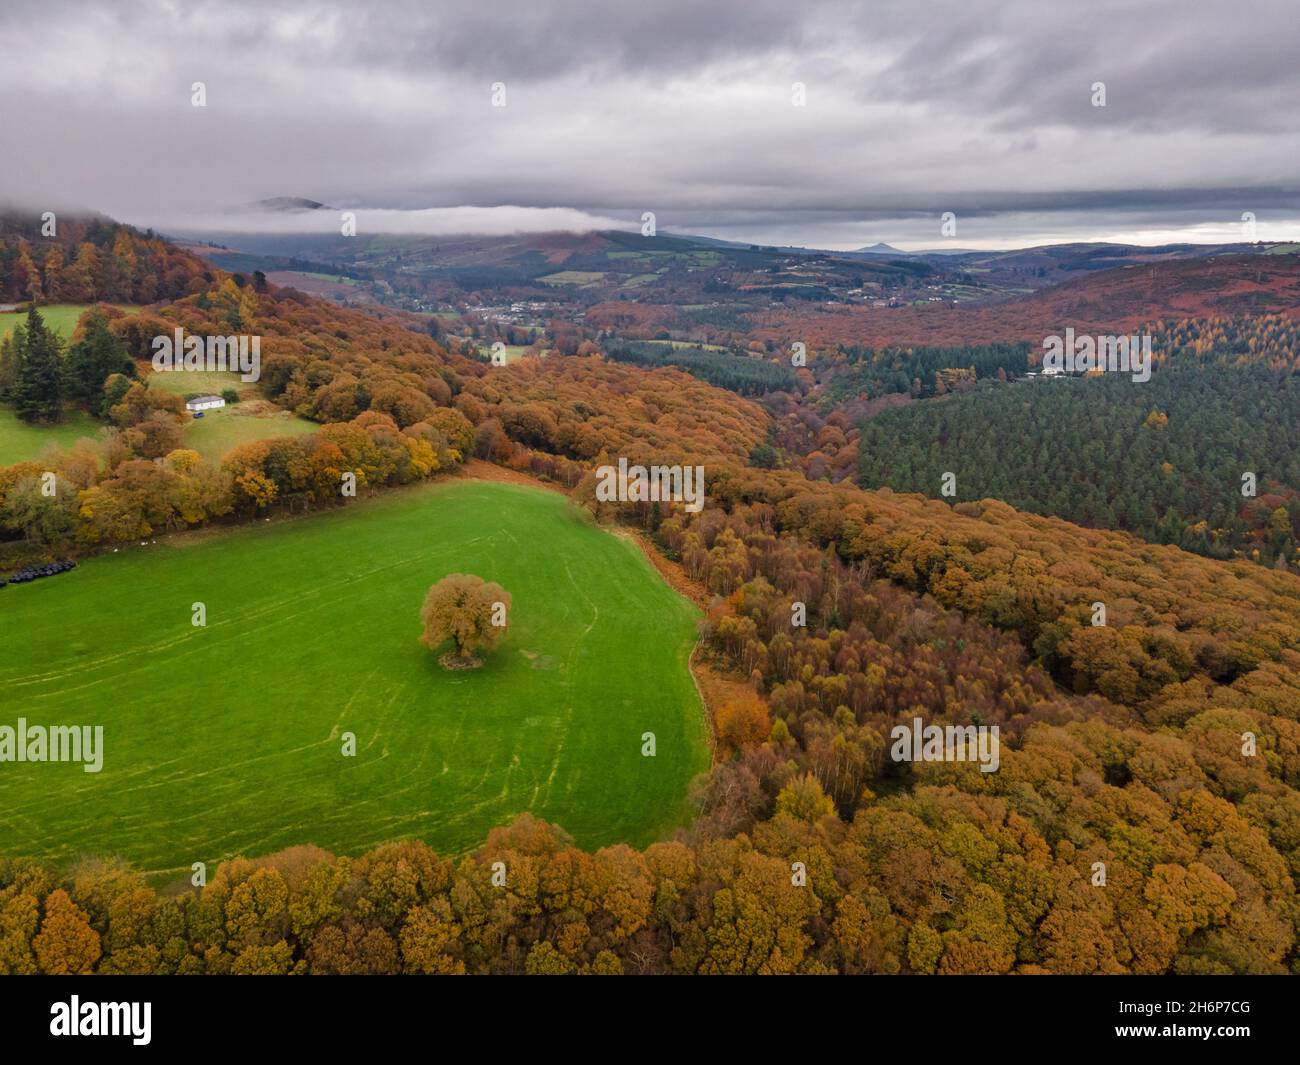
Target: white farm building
(204,403)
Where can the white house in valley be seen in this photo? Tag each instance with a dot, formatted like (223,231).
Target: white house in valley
(204,403)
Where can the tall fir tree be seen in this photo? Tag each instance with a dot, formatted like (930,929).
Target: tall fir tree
(38,392)
(92,359)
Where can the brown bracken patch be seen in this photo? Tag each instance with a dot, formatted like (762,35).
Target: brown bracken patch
(478,470)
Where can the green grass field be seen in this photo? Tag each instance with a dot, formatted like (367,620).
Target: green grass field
(337,278)
(20,441)
(581,278)
(677,345)
(213,435)
(198,382)
(60,317)
(226,739)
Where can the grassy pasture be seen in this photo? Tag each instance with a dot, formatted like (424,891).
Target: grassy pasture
(197,382)
(213,435)
(226,739)
(20,442)
(581,278)
(336,278)
(677,345)
(62,318)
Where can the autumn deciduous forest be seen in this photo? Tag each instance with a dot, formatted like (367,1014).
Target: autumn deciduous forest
(1123,743)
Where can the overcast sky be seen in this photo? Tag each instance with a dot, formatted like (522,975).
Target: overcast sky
(680,107)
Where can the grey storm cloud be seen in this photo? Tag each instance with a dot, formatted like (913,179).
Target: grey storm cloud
(676,106)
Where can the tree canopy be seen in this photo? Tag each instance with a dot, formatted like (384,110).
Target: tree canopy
(467,610)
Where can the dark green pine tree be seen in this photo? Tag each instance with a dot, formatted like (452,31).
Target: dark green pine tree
(38,392)
(93,359)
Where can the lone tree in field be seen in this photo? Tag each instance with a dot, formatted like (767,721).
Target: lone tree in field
(469,610)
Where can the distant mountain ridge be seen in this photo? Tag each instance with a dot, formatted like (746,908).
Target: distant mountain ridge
(288,204)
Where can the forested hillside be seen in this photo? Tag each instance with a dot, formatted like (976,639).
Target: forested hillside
(1124,744)
(88,260)
(1164,459)
(855,372)
(1119,300)
(746,376)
